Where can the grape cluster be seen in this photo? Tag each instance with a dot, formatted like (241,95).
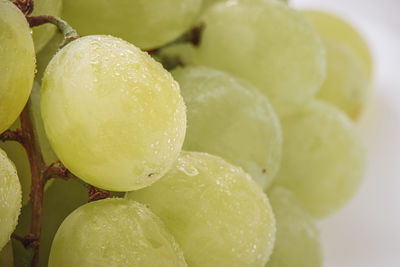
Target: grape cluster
(223,128)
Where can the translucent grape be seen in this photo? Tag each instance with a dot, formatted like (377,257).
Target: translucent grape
(335,29)
(112,114)
(114,232)
(230,118)
(10,198)
(59,201)
(346,84)
(6,256)
(16,151)
(17,57)
(217,213)
(145,23)
(42,34)
(297,239)
(267,43)
(322,159)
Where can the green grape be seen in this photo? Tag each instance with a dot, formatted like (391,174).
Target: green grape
(208,3)
(114,232)
(322,159)
(59,201)
(215,211)
(34,111)
(112,114)
(297,239)
(46,54)
(6,256)
(17,57)
(346,84)
(230,118)
(337,30)
(267,43)
(16,152)
(42,34)
(146,23)
(10,198)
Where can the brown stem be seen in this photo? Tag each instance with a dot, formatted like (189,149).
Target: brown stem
(28,241)
(95,194)
(53,171)
(26,6)
(10,135)
(37,185)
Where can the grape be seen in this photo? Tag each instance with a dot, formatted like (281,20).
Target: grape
(338,30)
(208,3)
(230,118)
(6,256)
(267,43)
(114,232)
(17,57)
(10,198)
(42,34)
(112,114)
(297,239)
(46,54)
(59,201)
(216,212)
(16,151)
(346,84)
(322,159)
(145,23)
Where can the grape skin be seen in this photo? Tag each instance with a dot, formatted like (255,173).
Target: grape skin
(230,118)
(10,198)
(112,114)
(42,34)
(269,44)
(323,159)
(337,30)
(114,232)
(216,212)
(17,57)
(146,23)
(297,238)
(6,256)
(346,84)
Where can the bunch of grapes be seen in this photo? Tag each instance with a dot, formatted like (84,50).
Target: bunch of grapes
(175,133)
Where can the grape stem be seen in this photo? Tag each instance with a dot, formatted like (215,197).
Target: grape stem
(10,135)
(68,32)
(95,194)
(26,6)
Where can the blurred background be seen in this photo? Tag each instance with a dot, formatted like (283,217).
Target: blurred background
(366,232)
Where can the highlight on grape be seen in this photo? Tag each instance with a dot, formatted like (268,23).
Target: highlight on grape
(175,133)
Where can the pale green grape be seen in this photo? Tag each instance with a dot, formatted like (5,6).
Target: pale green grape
(114,232)
(297,240)
(145,23)
(322,159)
(17,154)
(42,34)
(230,118)
(46,54)
(16,151)
(112,114)
(335,29)
(267,43)
(34,111)
(6,256)
(215,211)
(10,198)
(60,200)
(346,84)
(208,3)
(17,57)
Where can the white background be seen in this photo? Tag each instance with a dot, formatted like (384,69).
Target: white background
(366,232)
